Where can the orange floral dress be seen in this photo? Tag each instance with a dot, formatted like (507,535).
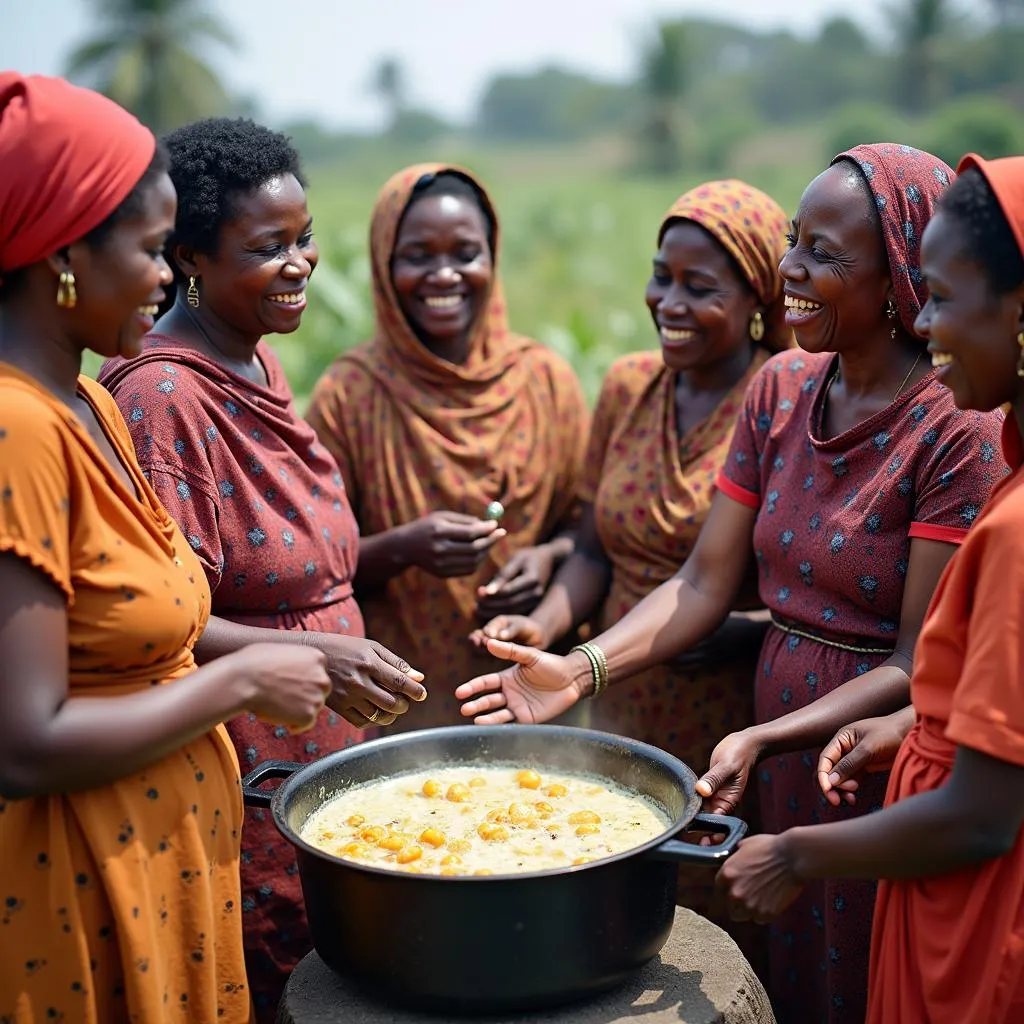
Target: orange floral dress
(120,903)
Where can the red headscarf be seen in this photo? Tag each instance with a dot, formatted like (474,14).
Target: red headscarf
(906,184)
(1006,179)
(69,156)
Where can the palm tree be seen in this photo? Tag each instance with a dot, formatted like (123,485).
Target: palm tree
(145,55)
(663,78)
(919,27)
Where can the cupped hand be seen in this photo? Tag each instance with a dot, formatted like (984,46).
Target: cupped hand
(519,584)
(759,880)
(448,544)
(287,683)
(725,781)
(369,684)
(517,628)
(869,745)
(537,688)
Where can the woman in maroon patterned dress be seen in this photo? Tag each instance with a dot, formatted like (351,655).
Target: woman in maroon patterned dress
(852,477)
(259,499)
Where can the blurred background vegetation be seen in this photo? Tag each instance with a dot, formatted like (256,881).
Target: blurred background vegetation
(582,169)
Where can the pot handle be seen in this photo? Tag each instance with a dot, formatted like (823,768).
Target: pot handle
(256,797)
(688,853)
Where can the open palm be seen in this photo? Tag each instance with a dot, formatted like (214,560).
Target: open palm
(536,689)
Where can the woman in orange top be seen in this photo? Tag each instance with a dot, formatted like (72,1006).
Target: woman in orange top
(120,808)
(948,940)
(442,414)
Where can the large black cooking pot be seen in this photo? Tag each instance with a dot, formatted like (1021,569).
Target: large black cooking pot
(494,942)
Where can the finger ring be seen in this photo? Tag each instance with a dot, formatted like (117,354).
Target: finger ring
(372,716)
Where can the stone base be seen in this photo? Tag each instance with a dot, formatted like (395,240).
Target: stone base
(700,977)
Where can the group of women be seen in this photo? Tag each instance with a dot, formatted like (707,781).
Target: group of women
(760,541)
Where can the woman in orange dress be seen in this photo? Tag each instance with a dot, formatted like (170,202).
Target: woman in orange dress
(120,807)
(442,414)
(948,939)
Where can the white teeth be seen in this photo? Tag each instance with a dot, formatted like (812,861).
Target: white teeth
(290,299)
(941,359)
(149,310)
(804,304)
(669,335)
(442,301)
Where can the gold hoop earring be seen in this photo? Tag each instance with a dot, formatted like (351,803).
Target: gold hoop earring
(890,312)
(1020,361)
(192,295)
(67,293)
(756,327)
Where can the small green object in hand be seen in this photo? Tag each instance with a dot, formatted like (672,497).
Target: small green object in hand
(495,510)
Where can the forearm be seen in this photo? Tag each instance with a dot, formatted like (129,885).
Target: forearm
(927,834)
(93,741)
(574,595)
(222,636)
(882,691)
(382,557)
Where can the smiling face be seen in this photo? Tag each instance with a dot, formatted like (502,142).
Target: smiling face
(441,268)
(836,273)
(121,280)
(700,306)
(256,281)
(971,330)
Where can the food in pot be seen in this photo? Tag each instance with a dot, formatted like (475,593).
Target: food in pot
(483,821)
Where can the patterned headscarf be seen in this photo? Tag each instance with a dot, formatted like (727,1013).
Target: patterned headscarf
(752,228)
(906,184)
(1006,179)
(69,158)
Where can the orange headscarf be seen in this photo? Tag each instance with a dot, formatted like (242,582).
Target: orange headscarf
(69,156)
(1006,179)
(752,228)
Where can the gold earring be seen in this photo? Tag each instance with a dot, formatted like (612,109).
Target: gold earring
(67,294)
(1020,361)
(192,295)
(890,312)
(756,326)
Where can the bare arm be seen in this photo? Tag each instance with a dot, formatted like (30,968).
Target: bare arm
(51,742)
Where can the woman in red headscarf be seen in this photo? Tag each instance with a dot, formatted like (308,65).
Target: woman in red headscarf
(120,808)
(851,479)
(948,940)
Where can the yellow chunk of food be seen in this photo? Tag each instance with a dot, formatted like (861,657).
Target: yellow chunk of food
(457,793)
(498,815)
(492,833)
(556,790)
(355,850)
(584,818)
(543,808)
(432,837)
(582,830)
(372,835)
(450,871)
(528,779)
(483,871)
(451,859)
(327,835)
(519,814)
(582,860)
(355,821)
(460,845)
(393,843)
(409,854)
(432,788)
(477,782)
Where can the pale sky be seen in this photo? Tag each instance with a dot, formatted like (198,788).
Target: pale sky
(315,58)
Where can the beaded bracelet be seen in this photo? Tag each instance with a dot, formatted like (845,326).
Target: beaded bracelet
(598,666)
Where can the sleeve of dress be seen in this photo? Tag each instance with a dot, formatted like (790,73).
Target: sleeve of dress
(35,487)
(325,416)
(954,481)
(988,704)
(740,477)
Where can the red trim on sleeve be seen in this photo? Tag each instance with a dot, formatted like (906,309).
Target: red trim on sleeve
(946,534)
(737,493)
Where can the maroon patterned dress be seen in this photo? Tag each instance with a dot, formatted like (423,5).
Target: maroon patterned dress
(263,506)
(832,542)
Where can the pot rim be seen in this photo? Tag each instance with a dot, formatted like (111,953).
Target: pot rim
(675,766)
